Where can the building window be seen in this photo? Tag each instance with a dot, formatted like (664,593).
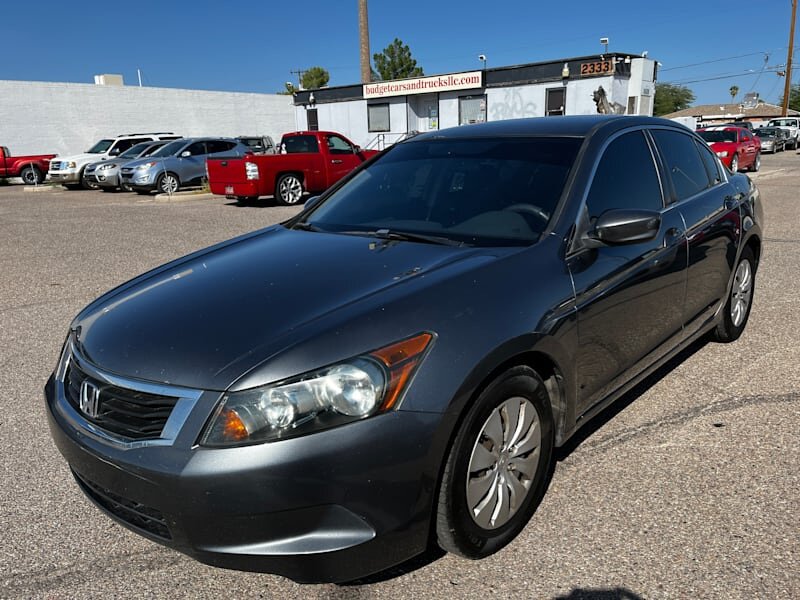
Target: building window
(378,117)
(313,119)
(556,100)
(471,109)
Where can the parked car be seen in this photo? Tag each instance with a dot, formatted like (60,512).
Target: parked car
(395,365)
(792,126)
(31,169)
(69,170)
(743,124)
(259,144)
(106,175)
(772,139)
(309,161)
(737,148)
(178,164)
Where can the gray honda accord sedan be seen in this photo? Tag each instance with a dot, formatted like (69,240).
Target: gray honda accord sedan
(393,368)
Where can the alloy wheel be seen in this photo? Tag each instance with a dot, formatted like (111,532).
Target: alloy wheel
(741,293)
(169,184)
(291,190)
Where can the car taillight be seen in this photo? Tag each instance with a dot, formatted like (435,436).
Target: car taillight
(251,170)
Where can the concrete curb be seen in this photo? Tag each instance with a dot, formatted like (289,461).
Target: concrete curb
(182,196)
(38,188)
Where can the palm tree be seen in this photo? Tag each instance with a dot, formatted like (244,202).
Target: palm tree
(733,91)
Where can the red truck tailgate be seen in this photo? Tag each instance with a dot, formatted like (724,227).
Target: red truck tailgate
(227,177)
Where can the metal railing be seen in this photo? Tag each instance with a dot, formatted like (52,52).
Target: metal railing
(384,140)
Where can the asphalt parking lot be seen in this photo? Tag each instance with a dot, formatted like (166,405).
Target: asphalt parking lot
(688,488)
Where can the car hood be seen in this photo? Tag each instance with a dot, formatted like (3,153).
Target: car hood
(83,158)
(205,320)
(141,161)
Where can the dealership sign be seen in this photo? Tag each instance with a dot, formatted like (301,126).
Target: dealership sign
(423,85)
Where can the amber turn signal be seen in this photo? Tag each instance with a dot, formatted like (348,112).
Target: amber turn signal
(400,360)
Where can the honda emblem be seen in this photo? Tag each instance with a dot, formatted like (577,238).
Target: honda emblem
(90,399)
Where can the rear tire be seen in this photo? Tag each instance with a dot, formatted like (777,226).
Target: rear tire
(756,163)
(740,300)
(498,466)
(289,190)
(31,175)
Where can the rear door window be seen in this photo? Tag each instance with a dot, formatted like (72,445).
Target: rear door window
(710,162)
(682,158)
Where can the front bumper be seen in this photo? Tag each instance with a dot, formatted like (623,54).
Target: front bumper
(104,178)
(139,180)
(64,176)
(331,506)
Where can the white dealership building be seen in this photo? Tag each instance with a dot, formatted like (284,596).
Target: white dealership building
(377,114)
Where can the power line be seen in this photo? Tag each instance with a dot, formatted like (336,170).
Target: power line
(716,60)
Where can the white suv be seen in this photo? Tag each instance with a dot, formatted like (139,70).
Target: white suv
(68,170)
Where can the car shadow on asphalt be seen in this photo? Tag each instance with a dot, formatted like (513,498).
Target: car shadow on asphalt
(616,407)
(600,594)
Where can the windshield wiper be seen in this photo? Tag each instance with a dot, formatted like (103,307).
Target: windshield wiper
(406,236)
(305,226)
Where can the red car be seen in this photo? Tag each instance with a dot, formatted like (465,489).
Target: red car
(736,147)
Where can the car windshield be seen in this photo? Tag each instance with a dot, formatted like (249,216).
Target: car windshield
(480,192)
(170,149)
(718,136)
(153,148)
(784,122)
(100,147)
(766,132)
(134,151)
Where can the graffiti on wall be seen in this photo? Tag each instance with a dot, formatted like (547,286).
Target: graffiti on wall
(512,106)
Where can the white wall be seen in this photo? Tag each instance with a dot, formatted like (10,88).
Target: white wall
(67,118)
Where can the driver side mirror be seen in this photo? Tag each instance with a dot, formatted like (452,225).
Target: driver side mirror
(626,226)
(311,202)
(357,150)
(185,153)
(114,151)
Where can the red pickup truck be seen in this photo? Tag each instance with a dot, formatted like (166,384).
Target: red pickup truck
(308,161)
(32,169)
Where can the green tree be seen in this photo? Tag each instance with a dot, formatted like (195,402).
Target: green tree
(396,62)
(671,98)
(314,78)
(288,90)
(733,92)
(794,97)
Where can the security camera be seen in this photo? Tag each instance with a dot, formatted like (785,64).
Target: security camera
(604,40)
(481,57)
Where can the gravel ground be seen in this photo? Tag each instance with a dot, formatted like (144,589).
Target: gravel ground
(686,488)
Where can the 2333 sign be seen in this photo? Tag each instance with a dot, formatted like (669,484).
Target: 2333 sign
(597,68)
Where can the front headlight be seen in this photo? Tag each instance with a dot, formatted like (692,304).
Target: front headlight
(71,165)
(722,154)
(146,165)
(348,391)
(107,166)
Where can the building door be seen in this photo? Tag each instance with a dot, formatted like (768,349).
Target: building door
(556,100)
(313,119)
(423,112)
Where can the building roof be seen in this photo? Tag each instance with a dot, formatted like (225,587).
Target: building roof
(732,111)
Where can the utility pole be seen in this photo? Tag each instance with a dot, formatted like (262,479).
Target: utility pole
(787,88)
(363,31)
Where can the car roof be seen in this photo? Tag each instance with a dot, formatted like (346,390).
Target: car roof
(722,128)
(561,126)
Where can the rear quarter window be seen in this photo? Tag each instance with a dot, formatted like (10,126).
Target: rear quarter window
(683,161)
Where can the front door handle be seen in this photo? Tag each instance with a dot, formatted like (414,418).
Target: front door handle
(336,161)
(672,234)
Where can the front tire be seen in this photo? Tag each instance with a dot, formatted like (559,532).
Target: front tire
(88,185)
(168,183)
(498,466)
(735,164)
(740,300)
(31,175)
(289,189)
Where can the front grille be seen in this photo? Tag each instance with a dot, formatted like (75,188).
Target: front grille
(135,514)
(122,411)
(127,170)
(55,166)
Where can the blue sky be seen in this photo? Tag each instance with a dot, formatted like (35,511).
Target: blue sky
(252,46)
